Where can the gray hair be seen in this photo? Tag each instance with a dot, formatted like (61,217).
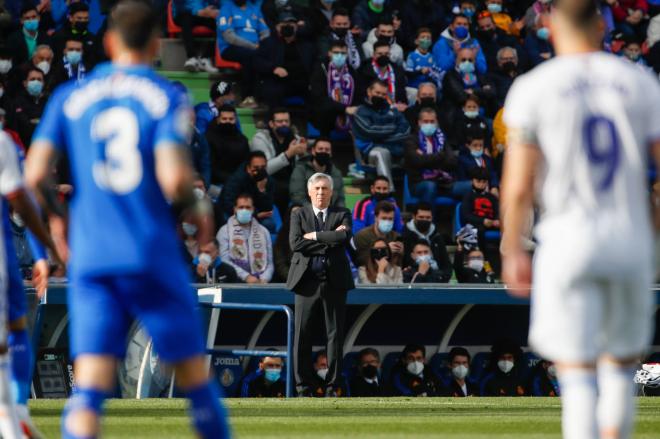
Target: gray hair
(44,47)
(428,84)
(500,53)
(319,176)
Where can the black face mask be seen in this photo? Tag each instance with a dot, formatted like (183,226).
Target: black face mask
(427,102)
(322,158)
(80,26)
(379,253)
(380,197)
(370,371)
(260,175)
(378,102)
(509,67)
(340,32)
(383,60)
(477,190)
(287,31)
(485,34)
(283,132)
(387,40)
(226,128)
(423,225)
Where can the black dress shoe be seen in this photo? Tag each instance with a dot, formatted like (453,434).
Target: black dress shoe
(303,392)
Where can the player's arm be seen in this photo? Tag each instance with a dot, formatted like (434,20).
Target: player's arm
(517,198)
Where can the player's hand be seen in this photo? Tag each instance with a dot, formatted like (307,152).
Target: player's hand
(58,231)
(40,273)
(517,273)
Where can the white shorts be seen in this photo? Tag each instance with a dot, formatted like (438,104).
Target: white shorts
(578,316)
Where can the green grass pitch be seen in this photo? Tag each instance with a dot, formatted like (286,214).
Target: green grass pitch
(357,418)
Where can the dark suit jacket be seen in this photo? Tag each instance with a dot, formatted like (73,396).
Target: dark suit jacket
(330,243)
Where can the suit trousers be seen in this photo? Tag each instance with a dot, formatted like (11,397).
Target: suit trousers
(307,309)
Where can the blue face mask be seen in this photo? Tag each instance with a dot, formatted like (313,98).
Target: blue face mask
(283,131)
(243,216)
(466,67)
(31,25)
(339,60)
(73,57)
(385,226)
(460,32)
(272,375)
(477,154)
(468,12)
(543,33)
(428,129)
(423,258)
(471,114)
(35,87)
(494,8)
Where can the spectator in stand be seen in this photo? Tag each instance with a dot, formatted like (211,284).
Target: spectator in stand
(28,105)
(282,252)
(72,65)
(321,13)
(544,381)
(427,97)
(382,228)
(366,383)
(504,371)
(460,385)
(6,67)
(480,208)
(411,376)
(272,9)
(320,160)
(284,64)
(537,43)
(471,267)
(422,228)
(364,211)
(267,381)
(423,268)
(41,59)
(23,42)
(241,29)
(334,88)
(632,51)
(228,147)
(535,11)
(77,28)
(380,130)
(452,40)
(383,267)
(190,14)
(367,13)
(282,147)
(468,121)
(209,268)
(429,161)
(420,64)
(506,72)
(502,19)
(340,30)
(416,14)
(473,157)
(384,32)
(492,39)
(321,369)
(463,81)
(221,93)
(253,180)
(245,245)
(380,67)
(629,16)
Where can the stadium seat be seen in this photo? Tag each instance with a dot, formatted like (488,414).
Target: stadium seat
(294,101)
(335,136)
(228,371)
(409,200)
(174,29)
(387,364)
(223,63)
(490,235)
(479,364)
(440,366)
(530,361)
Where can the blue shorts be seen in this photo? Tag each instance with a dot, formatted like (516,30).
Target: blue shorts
(102,309)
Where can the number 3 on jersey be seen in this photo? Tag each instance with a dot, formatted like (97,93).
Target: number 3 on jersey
(121,169)
(603,148)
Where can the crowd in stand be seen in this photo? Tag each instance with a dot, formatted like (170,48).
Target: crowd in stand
(412,88)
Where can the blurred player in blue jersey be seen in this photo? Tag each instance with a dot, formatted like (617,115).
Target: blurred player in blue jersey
(124,131)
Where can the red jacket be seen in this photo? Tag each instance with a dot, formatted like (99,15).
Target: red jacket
(620,11)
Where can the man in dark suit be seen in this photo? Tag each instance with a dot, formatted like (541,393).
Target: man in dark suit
(320,275)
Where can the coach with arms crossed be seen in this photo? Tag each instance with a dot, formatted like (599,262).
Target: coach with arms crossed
(320,276)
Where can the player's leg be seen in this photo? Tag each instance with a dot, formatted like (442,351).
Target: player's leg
(616,401)
(579,396)
(9,425)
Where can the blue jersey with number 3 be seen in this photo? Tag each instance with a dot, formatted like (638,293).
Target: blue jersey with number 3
(109,127)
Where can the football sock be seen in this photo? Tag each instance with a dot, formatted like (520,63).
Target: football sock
(21,365)
(9,426)
(578,399)
(82,400)
(208,414)
(616,403)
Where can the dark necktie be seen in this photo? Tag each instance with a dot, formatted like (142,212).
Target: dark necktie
(318,262)
(319,223)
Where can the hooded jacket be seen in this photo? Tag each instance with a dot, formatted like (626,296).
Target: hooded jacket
(445,58)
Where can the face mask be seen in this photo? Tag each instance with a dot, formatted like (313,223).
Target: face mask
(272,375)
(428,129)
(509,67)
(199,193)
(543,33)
(322,158)
(381,197)
(378,102)
(469,13)
(471,114)
(633,56)
(35,87)
(385,226)
(5,66)
(370,371)
(73,57)
(460,372)
(44,66)
(226,128)
(552,371)
(415,367)
(31,25)
(322,373)
(466,67)
(476,264)
(340,31)
(288,31)
(383,60)
(422,225)
(427,102)
(243,216)
(477,154)
(80,27)
(423,258)
(494,8)
(283,131)
(424,44)
(205,259)
(379,253)
(486,34)
(260,175)
(505,366)
(16,218)
(189,229)
(461,32)
(339,60)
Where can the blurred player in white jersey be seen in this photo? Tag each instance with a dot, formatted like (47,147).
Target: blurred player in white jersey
(582,127)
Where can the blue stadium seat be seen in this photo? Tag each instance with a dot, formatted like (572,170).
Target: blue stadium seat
(479,364)
(490,235)
(387,364)
(409,199)
(335,136)
(440,366)
(294,101)
(349,364)
(228,371)
(530,361)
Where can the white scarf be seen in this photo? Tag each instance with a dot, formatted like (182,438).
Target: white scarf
(248,246)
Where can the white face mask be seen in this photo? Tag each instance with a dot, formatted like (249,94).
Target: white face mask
(322,373)
(5,65)
(552,371)
(44,66)
(16,218)
(505,365)
(205,259)
(476,265)
(189,229)
(199,193)
(415,367)
(460,372)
